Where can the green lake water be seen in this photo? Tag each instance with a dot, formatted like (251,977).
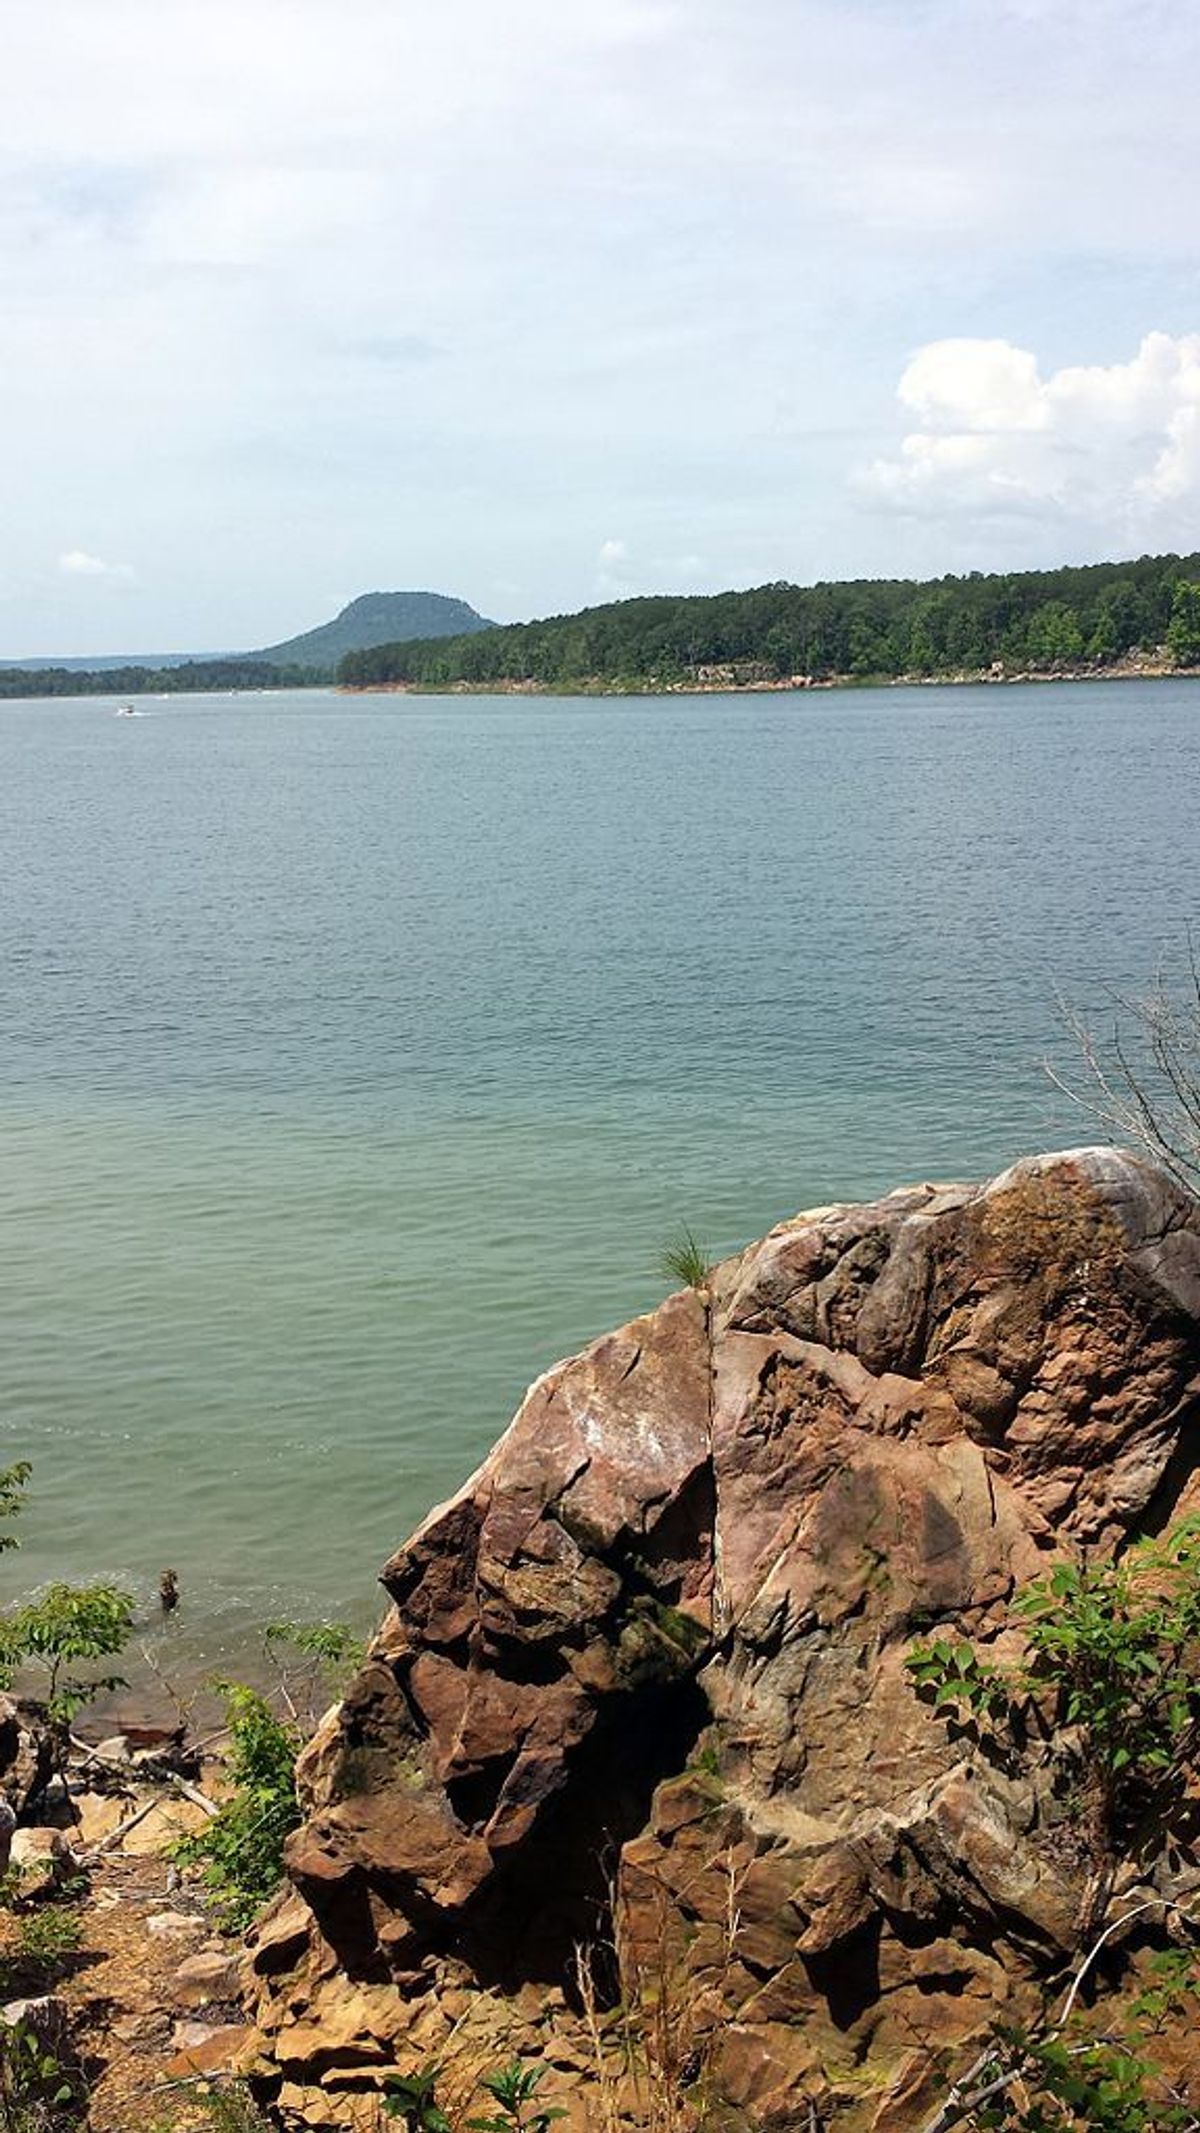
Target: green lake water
(358,1057)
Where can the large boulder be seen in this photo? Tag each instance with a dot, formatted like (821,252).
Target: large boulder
(642,1687)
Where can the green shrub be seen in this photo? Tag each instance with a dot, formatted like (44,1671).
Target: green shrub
(513,2088)
(241,1850)
(1050,2085)
(413,2098)
(37,2093)
(1114,1648)
(62,1626)
(45,1941)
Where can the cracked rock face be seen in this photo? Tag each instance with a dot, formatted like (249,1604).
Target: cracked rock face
(650,1662)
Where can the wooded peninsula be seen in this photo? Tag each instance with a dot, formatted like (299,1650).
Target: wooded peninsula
(1091,618)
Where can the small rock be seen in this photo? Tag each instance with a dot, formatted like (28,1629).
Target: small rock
(8,1823)
(44,1860)
(114,1750)
(176,1925)
(202,2050)
(142,2028)
(97,1815)
(211,1974)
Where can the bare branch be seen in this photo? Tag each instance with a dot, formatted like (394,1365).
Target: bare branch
(1143,1083)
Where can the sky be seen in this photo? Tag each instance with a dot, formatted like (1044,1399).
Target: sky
(563,300)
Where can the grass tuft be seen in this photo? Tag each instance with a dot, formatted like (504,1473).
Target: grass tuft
(686,1261)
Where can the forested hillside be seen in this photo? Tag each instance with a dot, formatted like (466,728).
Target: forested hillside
(1028,620)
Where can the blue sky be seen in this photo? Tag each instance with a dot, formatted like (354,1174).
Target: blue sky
(567,299)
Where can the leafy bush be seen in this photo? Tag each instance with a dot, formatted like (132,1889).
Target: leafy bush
(45,1940)
(226,2107)
(513,2088)
(63,1625)
(1112,1659)
(37,2093)
(1052,2085)
(1115,1648)
(413,2098)
(241,1850)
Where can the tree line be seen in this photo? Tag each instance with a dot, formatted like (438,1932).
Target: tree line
(195,676)
(1013,622)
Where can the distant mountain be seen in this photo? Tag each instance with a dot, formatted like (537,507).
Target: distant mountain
(372,619)
(111,662)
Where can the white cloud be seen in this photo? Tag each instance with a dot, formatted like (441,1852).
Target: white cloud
(232,232)
(1116,444)
(77,563)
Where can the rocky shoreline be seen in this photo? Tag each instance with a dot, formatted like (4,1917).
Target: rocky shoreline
(640,1730)
(730,681)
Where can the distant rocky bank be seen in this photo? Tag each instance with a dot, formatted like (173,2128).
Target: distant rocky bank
(746,678)
(643,1687)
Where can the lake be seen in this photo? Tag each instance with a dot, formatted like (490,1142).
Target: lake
(359,1056)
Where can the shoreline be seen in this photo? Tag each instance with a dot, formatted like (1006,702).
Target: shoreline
(730,684)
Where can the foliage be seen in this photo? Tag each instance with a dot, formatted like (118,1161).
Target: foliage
(871,628)
(1051,2085)
(63,1626)
(12,1493)
(46,1940)
(1119,1642)
(1183,630)
(413,2098)
(230,2108)
(960,1680)
(37,2093)
(513,2088)
(1174,1981)
(686,1261)
(246,673)
(1115,1647)
(240,1851)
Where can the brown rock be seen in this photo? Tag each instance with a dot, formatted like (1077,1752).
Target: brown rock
(211,1974)
(42,1859)
(664,1629)
(200,2049)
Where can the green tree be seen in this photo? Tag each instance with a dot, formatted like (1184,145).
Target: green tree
(66,1625)
(1054,634)
(1183,630)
